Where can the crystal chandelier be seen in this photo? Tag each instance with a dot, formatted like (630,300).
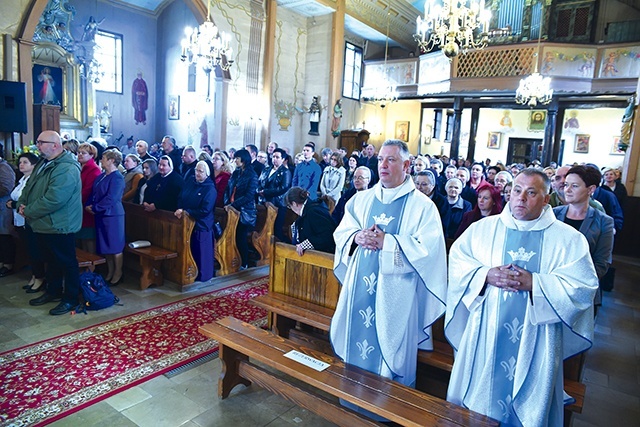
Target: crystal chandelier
(207,46)
(535,89)
(452,26)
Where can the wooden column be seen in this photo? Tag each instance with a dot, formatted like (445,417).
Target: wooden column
(336,67)
(25,65)
(458,105)
(271,8)
(473,130)
(557,137)
(549,133)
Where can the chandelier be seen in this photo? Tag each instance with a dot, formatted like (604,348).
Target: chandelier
(535,89)
(207,46)
(452,26)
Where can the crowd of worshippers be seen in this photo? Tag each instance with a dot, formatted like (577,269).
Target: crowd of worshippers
(531,247)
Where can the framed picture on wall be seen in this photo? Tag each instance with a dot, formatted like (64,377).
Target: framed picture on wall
(582,143)
(402,130)
(614,147)
(494,140)
(537,120)
(47,84)
(174,107)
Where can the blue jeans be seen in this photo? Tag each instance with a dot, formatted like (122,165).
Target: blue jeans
(59,253)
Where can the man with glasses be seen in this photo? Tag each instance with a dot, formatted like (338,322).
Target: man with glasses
(51,203)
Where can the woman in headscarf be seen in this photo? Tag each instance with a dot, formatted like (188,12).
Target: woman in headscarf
(197,200)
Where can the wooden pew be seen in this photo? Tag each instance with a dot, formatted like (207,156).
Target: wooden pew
(168,235)
(226,250)
(242,343)
(304,292)
(88,260)
(261,240)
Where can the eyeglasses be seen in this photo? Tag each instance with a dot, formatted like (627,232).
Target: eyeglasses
(44,142)
(360,178)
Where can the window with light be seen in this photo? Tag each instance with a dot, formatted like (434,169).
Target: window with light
(352,81)
(108,53)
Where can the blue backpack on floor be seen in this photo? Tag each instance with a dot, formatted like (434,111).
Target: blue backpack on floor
(97,295)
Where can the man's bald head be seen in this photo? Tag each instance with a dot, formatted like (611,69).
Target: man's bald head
(49,144)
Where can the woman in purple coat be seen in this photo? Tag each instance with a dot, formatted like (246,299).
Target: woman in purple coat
(106,204)
(197,200)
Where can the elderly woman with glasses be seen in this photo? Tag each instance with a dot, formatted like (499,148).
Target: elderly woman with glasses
(106,205)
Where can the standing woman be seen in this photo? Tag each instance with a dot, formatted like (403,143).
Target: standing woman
(241,195)
(26,164)
(197,200)
(351,169)
(222,171)
(333,178)
(580,184)
(489,203)
(149,170)
(7,247)
(106,204)
(132,177)
(87,154)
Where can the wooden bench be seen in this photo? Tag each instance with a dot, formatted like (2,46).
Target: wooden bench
(241,344)
(261,239)
(151,259)
(226,250)
(88,260)
(304,292)
(170,256)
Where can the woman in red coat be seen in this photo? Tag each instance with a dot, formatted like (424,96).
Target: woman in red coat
(87,154)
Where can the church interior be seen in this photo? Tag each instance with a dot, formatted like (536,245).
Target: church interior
(359,71)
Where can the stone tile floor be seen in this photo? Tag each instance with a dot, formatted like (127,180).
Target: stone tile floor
(612,370)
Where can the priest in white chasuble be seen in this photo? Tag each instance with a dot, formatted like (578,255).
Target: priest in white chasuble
(391,261)
(520,301)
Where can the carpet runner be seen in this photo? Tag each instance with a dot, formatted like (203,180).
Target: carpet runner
(51,379)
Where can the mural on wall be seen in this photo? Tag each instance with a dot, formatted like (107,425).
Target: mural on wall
(283,109)
(572,123)
(434,68)
(140,99)
(568,62)
(397,73)
(621,62)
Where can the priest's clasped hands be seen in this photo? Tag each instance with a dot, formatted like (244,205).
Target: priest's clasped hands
(510,278)
(370,238)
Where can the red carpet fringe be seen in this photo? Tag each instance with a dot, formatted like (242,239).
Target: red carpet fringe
(51,379)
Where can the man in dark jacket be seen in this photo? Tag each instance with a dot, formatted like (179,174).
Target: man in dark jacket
(51,203)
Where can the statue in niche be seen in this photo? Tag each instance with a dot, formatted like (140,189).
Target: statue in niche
(314,116)
(139,99)
(105,118)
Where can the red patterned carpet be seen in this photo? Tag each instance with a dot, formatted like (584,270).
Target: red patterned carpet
(49,380)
